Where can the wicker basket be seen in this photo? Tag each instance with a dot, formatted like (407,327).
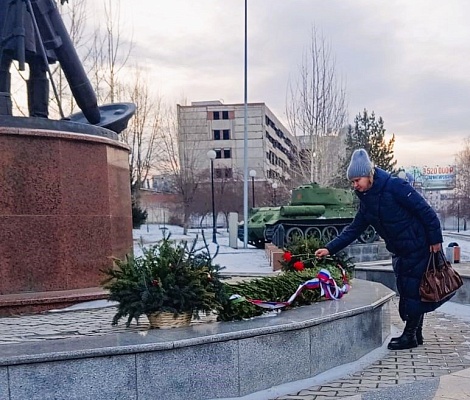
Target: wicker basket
(166,320)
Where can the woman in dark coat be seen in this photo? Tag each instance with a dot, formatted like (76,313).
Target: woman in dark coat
(410,229)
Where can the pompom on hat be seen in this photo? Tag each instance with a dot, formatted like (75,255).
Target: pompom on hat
(360,165)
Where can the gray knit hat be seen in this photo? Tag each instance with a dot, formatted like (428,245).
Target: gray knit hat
(360,165)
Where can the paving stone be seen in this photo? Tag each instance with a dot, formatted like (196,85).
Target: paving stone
(310,393)
(328,391)
(407,379)
(446,350)
(333,385)
(368,382)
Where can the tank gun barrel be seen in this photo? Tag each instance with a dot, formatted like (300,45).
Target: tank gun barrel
(291,211)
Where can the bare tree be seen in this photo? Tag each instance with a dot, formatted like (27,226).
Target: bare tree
(103,52)
(316,113)
(108,54)
(228,192)
(116,55)
(180,160)
(142,133)
(461,202)
(74,15)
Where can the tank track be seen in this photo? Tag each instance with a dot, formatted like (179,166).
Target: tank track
(323,230)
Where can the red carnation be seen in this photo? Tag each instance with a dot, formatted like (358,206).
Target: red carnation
(287,256)
(299,266)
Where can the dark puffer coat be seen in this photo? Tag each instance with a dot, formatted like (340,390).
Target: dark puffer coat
(407,224)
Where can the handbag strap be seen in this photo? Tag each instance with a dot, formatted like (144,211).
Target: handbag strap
(431,262)
(441,256)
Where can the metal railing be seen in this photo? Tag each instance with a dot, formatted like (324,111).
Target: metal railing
(279,236)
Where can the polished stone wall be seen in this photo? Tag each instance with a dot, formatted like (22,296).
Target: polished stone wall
(65,209)
(363,252)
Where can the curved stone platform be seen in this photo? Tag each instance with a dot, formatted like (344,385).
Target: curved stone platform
(203,361)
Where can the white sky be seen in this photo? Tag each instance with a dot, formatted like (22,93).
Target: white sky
(406,60)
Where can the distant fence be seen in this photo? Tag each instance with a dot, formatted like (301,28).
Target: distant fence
(163,215)
(158,215)
(196,221)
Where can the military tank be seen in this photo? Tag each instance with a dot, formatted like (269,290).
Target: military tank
(314,211)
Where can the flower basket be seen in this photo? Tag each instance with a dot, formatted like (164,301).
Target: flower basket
(169,279)
(167,320)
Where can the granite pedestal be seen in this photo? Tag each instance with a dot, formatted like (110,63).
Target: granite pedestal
(65,211)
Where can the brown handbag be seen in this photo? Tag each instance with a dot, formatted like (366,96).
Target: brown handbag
(440,280)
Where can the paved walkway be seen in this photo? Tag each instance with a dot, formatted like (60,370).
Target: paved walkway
(440,369)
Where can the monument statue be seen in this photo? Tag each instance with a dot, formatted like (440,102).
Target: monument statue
(65,209)
(32,32)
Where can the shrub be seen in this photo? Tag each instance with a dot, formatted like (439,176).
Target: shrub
(139,216)
(169,277)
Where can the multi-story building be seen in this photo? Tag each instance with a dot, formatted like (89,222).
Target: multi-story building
(212,125)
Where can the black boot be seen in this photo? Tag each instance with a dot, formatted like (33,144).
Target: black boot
(419,333)
(408,339)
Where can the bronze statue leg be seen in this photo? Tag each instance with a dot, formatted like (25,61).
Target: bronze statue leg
(38,89)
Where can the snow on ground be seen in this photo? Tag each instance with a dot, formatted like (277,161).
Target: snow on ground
(462,238)
(249,261)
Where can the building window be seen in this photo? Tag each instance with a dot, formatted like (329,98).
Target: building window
(216,134)
(226,134)
(223,173)
(216,115)
(223,153)
(224,114)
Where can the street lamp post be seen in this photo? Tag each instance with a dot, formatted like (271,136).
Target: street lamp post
(274,185)
(212,155)
(314,160)
(245,135)
(253,175)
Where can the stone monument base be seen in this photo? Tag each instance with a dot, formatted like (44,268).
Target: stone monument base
(65,212)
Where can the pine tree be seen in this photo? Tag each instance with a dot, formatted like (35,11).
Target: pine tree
(368,133)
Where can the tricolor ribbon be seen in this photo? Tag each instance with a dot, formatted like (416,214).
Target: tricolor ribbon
(328,286)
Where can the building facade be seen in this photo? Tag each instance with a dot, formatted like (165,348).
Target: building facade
(212,125)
